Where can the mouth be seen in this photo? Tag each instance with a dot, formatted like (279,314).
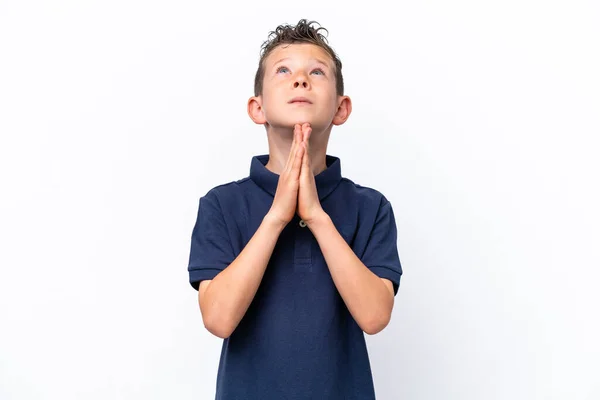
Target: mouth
(300,100)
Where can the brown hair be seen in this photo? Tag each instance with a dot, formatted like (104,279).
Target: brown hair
(303,32)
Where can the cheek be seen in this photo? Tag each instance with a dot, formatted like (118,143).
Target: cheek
(275,96)
(270,104)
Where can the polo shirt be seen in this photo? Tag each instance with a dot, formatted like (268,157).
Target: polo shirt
(297,339)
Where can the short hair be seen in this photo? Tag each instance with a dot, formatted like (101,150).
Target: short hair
(303,32)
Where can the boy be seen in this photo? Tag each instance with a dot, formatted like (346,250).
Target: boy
(293,264)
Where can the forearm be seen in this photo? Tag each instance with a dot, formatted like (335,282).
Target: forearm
(230,293)
(364,293)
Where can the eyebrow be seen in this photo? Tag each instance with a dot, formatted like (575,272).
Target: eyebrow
(312,59)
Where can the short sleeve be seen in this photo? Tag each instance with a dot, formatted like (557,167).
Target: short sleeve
(211,250)
(381,252)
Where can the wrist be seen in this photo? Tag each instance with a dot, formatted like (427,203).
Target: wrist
(320,219)
(274,222)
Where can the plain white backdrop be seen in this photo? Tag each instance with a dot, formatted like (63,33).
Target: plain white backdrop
(478,120)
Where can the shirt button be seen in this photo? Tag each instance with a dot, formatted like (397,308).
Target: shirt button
(302,223)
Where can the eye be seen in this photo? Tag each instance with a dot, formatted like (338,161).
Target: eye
(319,70)
(280,68)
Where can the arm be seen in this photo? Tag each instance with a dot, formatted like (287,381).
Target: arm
(225,299)
(369,298)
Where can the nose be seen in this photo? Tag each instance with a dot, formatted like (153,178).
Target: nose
(300,81)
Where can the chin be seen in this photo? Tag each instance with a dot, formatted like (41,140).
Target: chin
(301,119)
(290,123)
(298,118)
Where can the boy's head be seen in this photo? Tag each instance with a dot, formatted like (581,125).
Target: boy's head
(299,79)
(303,32)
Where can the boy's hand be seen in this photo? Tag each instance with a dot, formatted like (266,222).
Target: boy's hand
(284,204)
(309,205)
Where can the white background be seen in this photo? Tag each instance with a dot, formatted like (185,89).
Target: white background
(478,120)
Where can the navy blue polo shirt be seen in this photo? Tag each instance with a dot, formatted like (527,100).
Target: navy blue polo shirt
(297,339)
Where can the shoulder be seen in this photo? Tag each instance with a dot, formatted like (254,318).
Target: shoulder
(225,189)
(222,195)
(363,195)
(229,189)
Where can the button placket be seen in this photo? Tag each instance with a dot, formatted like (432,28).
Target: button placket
(303,246)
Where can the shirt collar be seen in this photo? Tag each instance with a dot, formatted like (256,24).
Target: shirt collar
(326,181)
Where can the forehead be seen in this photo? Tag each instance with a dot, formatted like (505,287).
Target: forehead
(300,51)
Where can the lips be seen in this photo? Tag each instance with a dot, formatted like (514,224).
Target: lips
(300,100)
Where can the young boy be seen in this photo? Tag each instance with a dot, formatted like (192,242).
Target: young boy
(293,264)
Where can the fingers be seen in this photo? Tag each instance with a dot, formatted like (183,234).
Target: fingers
(305,160)
(299,148)
(298,160)
(304,136)
(293,150)
(306,131)
(290,159)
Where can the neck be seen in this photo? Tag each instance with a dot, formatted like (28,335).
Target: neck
(280,144)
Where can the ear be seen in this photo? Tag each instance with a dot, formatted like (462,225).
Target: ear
(344,110)
(255,110)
